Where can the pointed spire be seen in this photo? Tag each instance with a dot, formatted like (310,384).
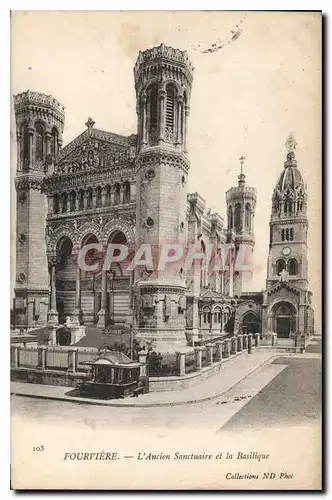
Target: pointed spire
(242,177)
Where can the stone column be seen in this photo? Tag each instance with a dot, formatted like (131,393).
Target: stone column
(227,343)
(179,119)
(144,119)
(233,345)
(198,351)
(103,313)
(231,273)
(103,196)
(68,203)
(94,198)
(219,344)
(245,341)
(250,343)
(31,132)
(239,342)
(133,191)
(48,136)
(222,282)
(209,348)
(185,128)
(52,316)
(161,98)
(42,358)
(18,149)
(77,201)
(86,196)
(112,196)
(72,360)
(181,362)
(142,359)
(14,359)
(257,339)
(77,312)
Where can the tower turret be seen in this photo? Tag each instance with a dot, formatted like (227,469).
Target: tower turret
(163,79)
(241,205)
(39,127)
(289,224)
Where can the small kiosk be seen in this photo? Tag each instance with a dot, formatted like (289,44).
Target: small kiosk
(113,375)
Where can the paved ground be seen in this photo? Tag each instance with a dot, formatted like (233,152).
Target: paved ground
(232,372)
(293,397)
(286,391)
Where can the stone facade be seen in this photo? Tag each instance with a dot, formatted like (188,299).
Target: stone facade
(103,188)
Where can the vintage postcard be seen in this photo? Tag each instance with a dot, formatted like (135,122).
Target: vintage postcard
(166,250)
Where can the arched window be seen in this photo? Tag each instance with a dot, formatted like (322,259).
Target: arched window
(248,216)
(280,266)
(153,112)
(170,112)
(126,192)
(288,206)
(292,267)
(282,235)
(206,315)
(98,197)
(230,217)
(72,201)
(40,136)
(64,251)
(217,315)
(237,217)
(117,194)
(54,142)
(55,204)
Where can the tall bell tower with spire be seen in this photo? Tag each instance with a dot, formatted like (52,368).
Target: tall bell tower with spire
(163,80)
(287,301)
(241,205)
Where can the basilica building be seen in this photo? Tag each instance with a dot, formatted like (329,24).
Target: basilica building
(104,188)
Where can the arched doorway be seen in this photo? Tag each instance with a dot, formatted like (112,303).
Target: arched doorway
(64,269)
(91,282)
(284,319)
(118,281)
(251,323)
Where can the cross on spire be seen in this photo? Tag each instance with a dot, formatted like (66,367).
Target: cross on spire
(89,124)
(242,158)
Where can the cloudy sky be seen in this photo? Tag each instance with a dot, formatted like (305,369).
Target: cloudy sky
(247,96)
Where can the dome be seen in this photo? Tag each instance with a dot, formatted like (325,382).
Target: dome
(291,175)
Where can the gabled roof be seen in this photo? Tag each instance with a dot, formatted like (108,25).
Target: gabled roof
(210,294)
(284,284)
(94,133)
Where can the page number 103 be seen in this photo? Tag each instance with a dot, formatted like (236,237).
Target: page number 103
(38,448)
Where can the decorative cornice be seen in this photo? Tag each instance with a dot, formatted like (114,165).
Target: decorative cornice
(29,181)
(151,156)
(170,54)
(36,98)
